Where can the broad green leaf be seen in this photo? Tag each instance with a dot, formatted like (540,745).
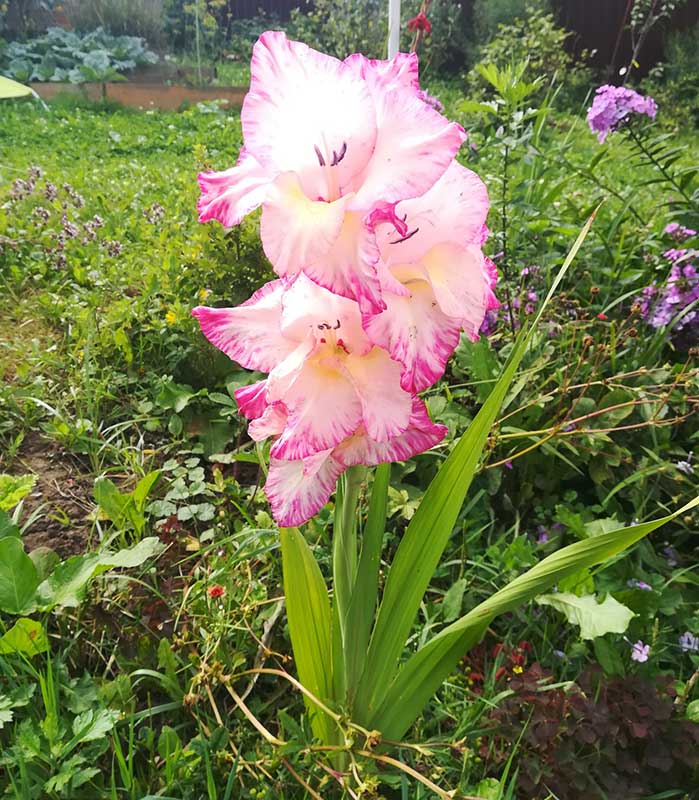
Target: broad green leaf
(13,489)
(692,712)
(92,725)
(308,615)
(26,636)
(18,578)
(45,560)
(67,584)
(7,526)
(144,487)
(608,657)
(134,556)
(111,500)
(6,713)
(594,619)
(429,530)
(366,587)
(424,672)
(451,605)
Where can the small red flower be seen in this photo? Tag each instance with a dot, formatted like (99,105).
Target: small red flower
(420,23)
(216,591)
(602,316)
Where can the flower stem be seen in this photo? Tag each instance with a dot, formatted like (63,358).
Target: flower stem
(345,540)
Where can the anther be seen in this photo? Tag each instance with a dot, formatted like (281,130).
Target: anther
(337,157)
(337,325)
(321,160)
(405,238)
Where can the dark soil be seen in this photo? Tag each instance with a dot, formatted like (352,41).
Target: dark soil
(64,492)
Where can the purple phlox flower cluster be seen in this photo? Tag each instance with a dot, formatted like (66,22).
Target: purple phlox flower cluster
(612,105)
(676,254)
(634,583)
(662,305)
(689,643)
(640,652)
(679,232)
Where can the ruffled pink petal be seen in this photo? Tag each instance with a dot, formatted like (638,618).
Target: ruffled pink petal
(304,110)
(230,195)
(250,333)
(414,147)
(401,71)
(297,490)
(271,423)
(385,406)
(323,409)
(306,305)
(417,333)
(252,400)
(453,210)
(334,248)
(421,435)
(460,284)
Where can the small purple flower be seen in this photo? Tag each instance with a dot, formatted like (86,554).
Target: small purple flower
(612,105)
(509,465)
(50,192)
(113,248)
(685,466)
(636,584)
(543,534)
(689,643)
(70,229)
(671,555)
(41,214)
(679,232)
(434,102)
(640,652)
(154,213)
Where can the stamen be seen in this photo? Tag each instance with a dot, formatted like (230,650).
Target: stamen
(405,238)
(321,160)
(337,157)
(335,327)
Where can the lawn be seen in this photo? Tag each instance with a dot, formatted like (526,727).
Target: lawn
(170,599)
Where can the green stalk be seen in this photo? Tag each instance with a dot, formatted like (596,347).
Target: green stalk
(345,541)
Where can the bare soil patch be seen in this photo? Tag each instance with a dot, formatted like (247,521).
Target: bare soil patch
(63,491)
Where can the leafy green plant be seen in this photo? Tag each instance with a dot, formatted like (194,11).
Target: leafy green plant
(62,55)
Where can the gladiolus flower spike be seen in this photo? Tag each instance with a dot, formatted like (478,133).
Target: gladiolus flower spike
(375,232)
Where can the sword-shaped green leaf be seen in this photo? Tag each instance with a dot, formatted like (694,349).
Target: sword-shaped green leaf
(425,671)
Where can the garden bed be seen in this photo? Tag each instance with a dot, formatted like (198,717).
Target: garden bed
(145,95)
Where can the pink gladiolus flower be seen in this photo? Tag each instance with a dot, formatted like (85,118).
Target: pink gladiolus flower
(299,489)
(326,378)
(327,142)
(435,280)
(332,398)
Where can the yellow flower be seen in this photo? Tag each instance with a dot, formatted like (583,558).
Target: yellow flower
(202,294)
(171,317)
(517,670)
